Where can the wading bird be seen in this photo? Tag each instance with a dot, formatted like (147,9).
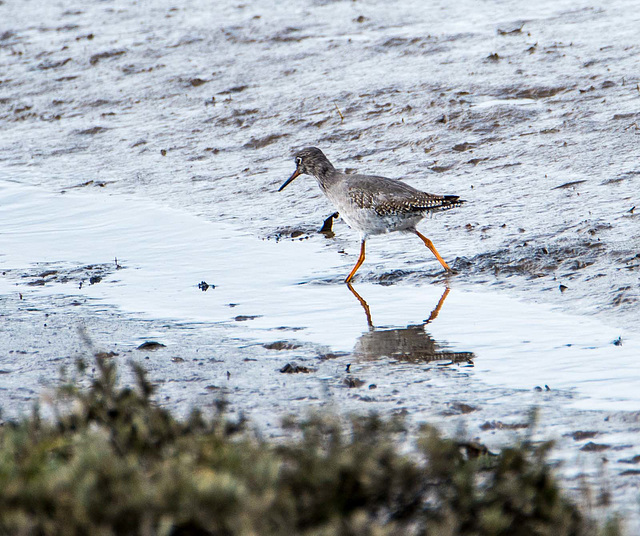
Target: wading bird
(369,204)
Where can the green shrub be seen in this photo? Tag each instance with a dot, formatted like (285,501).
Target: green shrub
(113,462)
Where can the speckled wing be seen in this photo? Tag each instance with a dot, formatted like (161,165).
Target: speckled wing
(388,196)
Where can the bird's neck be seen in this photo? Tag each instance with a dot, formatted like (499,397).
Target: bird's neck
(326,175)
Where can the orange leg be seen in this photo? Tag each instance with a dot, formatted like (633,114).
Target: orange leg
(433,250)
(358,264)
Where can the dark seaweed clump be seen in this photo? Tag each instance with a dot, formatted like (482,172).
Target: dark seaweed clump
(111,461)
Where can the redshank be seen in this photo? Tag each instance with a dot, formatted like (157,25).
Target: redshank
(369,204)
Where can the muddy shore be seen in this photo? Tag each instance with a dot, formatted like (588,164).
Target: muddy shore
(140,153)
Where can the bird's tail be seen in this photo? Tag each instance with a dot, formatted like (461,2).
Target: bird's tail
(451,201)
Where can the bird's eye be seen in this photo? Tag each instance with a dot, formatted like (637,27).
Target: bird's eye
(299,161)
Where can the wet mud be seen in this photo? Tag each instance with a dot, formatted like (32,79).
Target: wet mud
(187,117)
(53,274)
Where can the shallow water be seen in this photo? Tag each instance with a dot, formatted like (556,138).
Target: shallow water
(163,254)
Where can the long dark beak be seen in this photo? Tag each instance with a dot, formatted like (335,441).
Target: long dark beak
(290,179)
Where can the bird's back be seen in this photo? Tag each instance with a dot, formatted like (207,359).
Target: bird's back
(388,196)
(374,205)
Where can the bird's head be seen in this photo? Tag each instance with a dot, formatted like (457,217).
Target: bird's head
(309,161)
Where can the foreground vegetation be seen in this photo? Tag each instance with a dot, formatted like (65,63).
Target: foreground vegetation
(112,462)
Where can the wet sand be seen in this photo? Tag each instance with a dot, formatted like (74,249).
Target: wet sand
(141,150)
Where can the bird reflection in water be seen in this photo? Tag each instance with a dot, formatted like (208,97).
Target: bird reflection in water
(412,343)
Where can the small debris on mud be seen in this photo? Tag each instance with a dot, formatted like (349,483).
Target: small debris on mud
(352,382)
(595,447)
(151,346)
(568,185)
(634,460)
(281,345)
(293,368)
(473,449)
(582,435)
(91,182)
(462,147)
(105,355)
(195,82)
(105,55)
(204,286)
(617,117)
(511,31)
(461,407)
(441,169)
(235,89)
(327,226)
(540,92)
(498,425)
(244,318)
(91,131)
(292,233)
